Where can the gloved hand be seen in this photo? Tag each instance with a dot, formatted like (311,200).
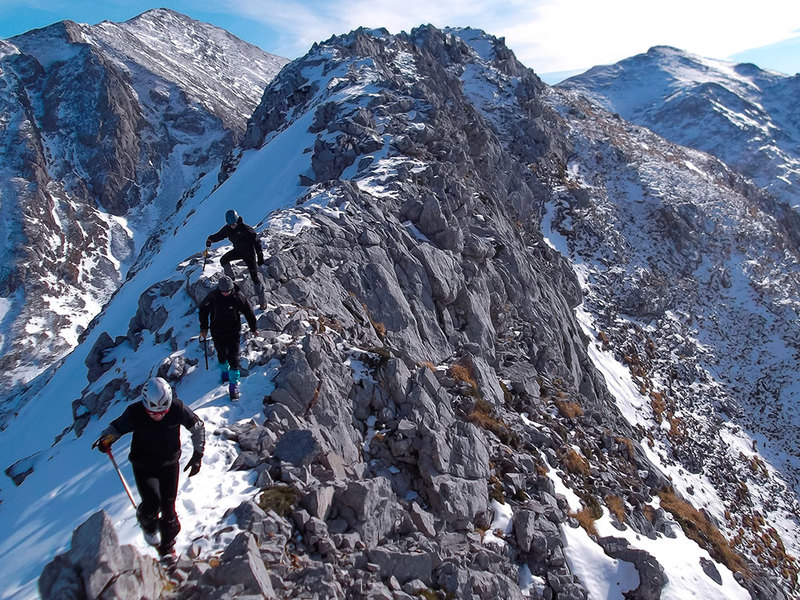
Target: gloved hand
(203,334)
(260,260)
(208,243)
(193,466)
(104,442)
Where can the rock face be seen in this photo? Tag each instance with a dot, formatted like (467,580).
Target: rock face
(100,138)
(96,566)
(426,363)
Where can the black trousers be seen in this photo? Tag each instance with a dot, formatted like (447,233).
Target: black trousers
(227,345)
(249,260)
(158,489)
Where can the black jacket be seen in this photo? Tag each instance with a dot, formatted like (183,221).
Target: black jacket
(243,237)
(158,443)
(226,311)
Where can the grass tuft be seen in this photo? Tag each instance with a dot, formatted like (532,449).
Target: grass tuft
(699,528)
(575,463)
(616,506)
(280,498)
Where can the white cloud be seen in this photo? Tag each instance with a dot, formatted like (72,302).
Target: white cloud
(580,33)
(547,35)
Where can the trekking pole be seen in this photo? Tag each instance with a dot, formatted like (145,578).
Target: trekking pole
(205,259)
(121,478)
(205,351)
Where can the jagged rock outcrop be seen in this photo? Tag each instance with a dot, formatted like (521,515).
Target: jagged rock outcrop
(96,566)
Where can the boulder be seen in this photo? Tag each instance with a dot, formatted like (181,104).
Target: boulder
(651,574)
(298,447)
(369,507)
(404,566)
(241,564)
(96,565)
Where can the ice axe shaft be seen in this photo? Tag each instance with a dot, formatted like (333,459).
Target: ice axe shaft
(121,478)
(205,259)
(205,351)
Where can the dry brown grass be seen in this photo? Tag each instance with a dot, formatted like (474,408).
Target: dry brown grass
(586,520)
(698,528)
(616,506)
(649,512)
(463,374)
(484,416)
(378,326)
(570,410)
(658,405)
(575,463)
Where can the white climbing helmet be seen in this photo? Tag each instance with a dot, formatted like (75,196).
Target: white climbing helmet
(157,395)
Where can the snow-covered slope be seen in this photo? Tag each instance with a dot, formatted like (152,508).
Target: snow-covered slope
(743,115)
(431,392)
(693,285)
(103,129)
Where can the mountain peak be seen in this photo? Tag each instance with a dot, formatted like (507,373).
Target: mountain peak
(166,17)
(663,50)
(671,91)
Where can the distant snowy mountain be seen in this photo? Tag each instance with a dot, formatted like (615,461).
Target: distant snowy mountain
(693,285)
(514,347)
(102,131)
(745,116)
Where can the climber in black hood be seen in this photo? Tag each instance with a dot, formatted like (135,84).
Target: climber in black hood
(246,247)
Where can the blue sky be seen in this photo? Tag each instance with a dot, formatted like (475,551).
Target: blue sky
(550,36)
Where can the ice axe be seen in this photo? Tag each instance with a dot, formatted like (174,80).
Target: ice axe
(205,259)
(205,350)
(121,478)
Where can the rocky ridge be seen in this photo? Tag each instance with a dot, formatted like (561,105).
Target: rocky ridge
(103,129)
(426,362)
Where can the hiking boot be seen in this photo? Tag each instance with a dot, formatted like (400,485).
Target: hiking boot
(233,390)
(151,537)
(223,378)
(168,559)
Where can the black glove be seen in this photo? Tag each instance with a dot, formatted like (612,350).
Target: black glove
(208,243)
(260,260)
(193,466)
(103,443)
